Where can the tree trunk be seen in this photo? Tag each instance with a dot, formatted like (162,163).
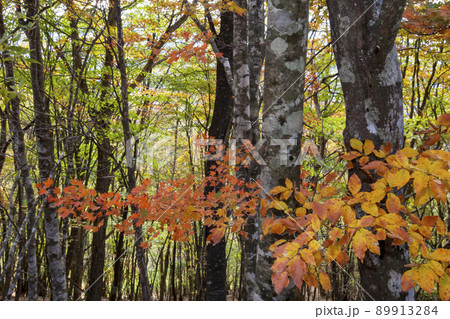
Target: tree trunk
(131,169)
(249,129)
(287,37)
(45,153)
(364,35)
(216,266)
(103,179)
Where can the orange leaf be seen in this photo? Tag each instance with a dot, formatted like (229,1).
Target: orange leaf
(409,279)
(297,269)
(393,204)
(429,221)
(267,223)
(366,221)
(359,245)
(354,184)
(277,228)
(48,183)
(300,212)
(217,234)
(437,187)
(374,165)
(444,119)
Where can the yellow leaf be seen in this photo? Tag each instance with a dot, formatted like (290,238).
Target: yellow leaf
(349,214)
(444,288)
(420,181)
(377,195)
(370,208)
(379,154)
(315,223)
(325,281)
(333,252)
(440,227)
(278,205)
(288,183)
(276,244)
(356,144)
(300,197)
(398,179)
(426,278)
(329,191)
(354,184)
(441,254)
(423,197)
(285,195)
(300,212)
(308,257)
(372,243)
(278,189)
(368,147)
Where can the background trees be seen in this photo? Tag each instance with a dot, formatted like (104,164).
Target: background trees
(108,111)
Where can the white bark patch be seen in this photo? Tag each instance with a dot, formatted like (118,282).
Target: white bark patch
(284,21)
(279,46)
(394,283)
(296,65)
(345,72)
(390,75)
(293,123)
(344,24)
(372,116)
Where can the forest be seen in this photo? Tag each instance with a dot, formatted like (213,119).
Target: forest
(224,150)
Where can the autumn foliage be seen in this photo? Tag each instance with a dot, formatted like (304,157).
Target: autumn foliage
(328,224)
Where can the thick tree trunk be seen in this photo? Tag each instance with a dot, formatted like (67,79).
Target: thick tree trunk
(216,265)
(286,44)
(45,153)
(363,34)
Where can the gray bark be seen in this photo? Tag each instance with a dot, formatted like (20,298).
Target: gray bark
(286,47)
(363,33)
(20,159)
(45,153)
(248,59)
